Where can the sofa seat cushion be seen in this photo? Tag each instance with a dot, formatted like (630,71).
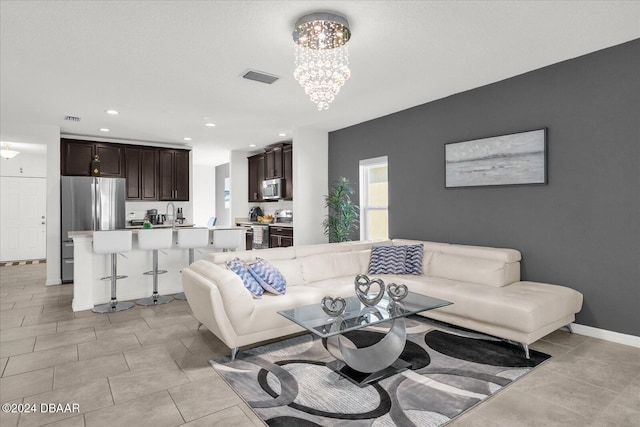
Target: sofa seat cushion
(265,315)
(521,306)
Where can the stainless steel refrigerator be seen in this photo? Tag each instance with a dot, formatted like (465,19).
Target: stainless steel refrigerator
(89,203)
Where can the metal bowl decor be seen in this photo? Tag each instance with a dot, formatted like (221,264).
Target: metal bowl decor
(333,306)
(363,290)
(397,292)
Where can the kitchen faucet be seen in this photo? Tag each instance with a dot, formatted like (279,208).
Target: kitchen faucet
(173,214)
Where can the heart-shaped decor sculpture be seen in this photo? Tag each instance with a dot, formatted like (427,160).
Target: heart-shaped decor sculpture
(397,292)
(333,306)
(363,287)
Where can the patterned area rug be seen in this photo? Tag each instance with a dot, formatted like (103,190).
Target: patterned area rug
(287,383)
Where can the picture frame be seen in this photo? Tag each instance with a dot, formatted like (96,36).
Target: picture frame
(512,159)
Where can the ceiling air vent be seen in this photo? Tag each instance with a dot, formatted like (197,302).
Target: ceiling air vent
(72,118)
(259,76)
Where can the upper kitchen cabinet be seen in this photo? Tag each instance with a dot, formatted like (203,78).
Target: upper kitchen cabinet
(256,176)
(287,165)
(273,162)
(174,175)
(141,172)
(76,156)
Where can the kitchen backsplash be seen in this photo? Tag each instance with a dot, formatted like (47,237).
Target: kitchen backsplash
(269,208)
(139,209)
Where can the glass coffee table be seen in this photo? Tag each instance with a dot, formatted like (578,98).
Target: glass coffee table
(368,364)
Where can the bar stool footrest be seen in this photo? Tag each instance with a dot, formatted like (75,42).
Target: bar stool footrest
(150,273)
(117,277)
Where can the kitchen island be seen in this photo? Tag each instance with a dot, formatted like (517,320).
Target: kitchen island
(89,267)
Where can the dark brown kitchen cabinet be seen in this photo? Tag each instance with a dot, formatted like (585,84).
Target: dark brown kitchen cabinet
(256,176)
(141,173)
(174,175)
(280,237)
(76,156)
(287,160)
(273,162)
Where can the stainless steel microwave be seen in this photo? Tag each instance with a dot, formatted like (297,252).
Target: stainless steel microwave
(273,189)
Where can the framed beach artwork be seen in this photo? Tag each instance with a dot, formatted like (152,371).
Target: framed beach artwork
(514,159)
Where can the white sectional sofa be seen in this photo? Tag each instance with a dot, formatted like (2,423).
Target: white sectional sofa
(483,284)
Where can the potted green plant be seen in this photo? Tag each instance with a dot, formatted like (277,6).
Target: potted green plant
(342,217)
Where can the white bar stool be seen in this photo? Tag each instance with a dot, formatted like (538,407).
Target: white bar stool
(191,238)
(229,240)
(154,240)
(112,242)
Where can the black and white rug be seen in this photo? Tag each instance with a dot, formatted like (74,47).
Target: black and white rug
(287,383)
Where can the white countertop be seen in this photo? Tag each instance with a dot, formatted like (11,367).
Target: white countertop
(134,230)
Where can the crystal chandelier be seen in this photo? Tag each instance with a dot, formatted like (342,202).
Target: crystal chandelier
(322,58)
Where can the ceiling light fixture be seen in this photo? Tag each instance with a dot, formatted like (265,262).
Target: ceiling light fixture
(104,130)
(112,112)
(322,58)
(187,138)
(282,134)
(210,124)
(7,153)
(252,145)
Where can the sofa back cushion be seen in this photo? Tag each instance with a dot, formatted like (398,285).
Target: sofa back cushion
(250,256)
(291,270)
(484,271)
(329,265)
(323,248)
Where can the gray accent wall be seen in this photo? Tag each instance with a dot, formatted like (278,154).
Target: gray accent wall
(581,230)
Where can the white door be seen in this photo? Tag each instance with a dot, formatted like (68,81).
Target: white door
(22,218)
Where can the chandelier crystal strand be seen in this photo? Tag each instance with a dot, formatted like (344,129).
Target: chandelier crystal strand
(322,57)
(322,73)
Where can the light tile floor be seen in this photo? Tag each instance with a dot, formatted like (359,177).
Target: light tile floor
(149,367)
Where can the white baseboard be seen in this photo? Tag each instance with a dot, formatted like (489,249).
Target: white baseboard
(53,282)
(603,334)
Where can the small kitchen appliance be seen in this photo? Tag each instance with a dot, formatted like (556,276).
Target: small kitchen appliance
(254,213)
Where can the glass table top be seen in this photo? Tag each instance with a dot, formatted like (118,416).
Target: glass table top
(357,315)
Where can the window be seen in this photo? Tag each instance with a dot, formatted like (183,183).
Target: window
(374,199)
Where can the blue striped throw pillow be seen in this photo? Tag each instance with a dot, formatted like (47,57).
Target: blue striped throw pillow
(401,259)
(387,259)
(268,276)
(413,262)
(237,266)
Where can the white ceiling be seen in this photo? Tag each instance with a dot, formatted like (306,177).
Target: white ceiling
(166,66)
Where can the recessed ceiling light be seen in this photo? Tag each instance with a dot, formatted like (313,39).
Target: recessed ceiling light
(252,145)
(210,124)
(187,138)
(282,134)
(112,112)
(104,130)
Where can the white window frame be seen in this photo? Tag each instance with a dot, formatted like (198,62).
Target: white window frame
(365,164)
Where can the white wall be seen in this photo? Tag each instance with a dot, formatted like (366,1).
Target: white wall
(239,174)
(204,193)
(25,165)
(49,136)
(310,175)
